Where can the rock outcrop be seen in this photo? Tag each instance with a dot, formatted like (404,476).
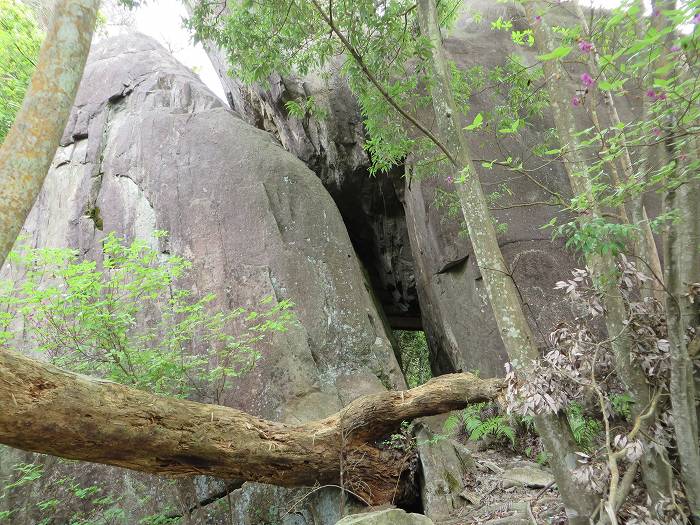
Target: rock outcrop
(445,464)
(332,146)
(149,147)
(416,256)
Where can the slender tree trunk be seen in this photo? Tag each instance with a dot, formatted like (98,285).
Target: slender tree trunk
(48,410)
(603,267)
(31,144)
(503,295)
(645,246)
(682,267)
(682,264)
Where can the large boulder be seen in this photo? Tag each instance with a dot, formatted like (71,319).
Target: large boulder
(148,147)
(333,146)
(445,466)
(438,276)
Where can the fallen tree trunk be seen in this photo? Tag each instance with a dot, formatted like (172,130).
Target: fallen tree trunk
(52,411)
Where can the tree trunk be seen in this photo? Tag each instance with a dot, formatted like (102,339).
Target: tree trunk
(603,267)
(31,144)
(503,295)
(682,265)
(64,414)
(645,246)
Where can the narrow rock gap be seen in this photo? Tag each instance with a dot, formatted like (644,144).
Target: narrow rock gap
(372,210)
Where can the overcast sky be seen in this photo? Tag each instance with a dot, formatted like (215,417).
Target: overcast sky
(162,20)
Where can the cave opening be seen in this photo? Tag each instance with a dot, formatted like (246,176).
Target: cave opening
(372,210)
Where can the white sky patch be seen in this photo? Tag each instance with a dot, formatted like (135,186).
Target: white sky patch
(162,20)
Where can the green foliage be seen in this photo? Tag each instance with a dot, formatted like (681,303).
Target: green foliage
(585,430)
(621,405)
(596,235)
(305,107)
(478,426)
(543,457)
(403,440)
(476,123)
(556,54)
(501,25)
(386,49)
(26,473)
(20,40)
(414,357)
(128,320)
(73,502)
(292,38)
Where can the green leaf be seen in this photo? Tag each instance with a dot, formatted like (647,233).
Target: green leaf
(476,124)
(611,86)
(558,53)
(664,70)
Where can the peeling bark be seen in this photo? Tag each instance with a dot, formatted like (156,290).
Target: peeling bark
(64,414)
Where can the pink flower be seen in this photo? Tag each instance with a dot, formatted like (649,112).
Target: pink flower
(585,46)
(696,19)
(656,96)
(587,80)
(450,179)
(575,101)
(538,19)
(656,12)
(675,48)
(656,132)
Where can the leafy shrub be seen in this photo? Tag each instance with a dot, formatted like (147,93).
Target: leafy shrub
(128,320)
(621,405)
(20,40)
(479,422)
(403,440)
(584,429)
(72,502)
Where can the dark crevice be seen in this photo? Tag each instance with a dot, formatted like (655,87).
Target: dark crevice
(375,220)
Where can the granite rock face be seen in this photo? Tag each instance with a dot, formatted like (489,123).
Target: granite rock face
(422,268)
(148,147)
(332,147)
(445,465)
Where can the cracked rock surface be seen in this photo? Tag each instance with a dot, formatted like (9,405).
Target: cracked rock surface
(418,259)
(148,147)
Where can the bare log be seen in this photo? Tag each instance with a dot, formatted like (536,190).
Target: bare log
(52,411)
